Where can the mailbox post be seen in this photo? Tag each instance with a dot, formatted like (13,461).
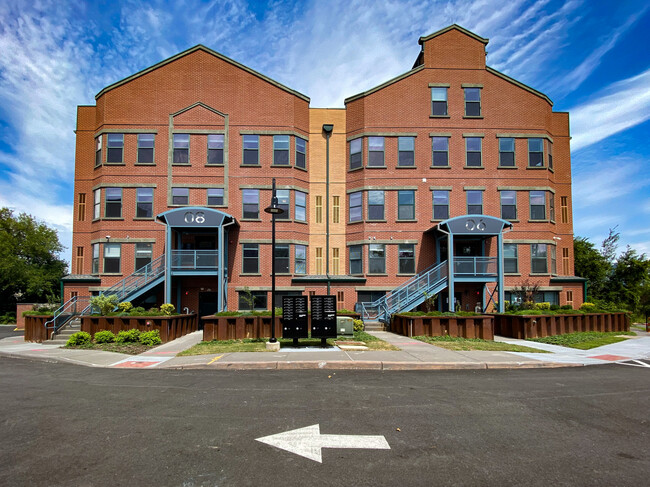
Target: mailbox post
(323,318)
(294,318)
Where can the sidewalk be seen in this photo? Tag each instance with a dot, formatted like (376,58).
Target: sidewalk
(413,355)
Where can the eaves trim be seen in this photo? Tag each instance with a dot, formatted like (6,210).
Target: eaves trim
(384,85)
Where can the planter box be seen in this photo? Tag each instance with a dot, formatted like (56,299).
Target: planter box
(239,327)
(170,327)
(35,328)
(453,326)
(539,326)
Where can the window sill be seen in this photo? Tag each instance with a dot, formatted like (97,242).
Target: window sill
(536,167)
(405,275)
(372,274)
(376,167)
(540,274)
(251,220)
(301,168)
(95,220)
(142,218)
(285,220)
(181,164)
(406,221)
(552,170)
(439,167)
(538,221)
(511,221)
(115,219)
(250,165)
(110,274)
(281,165)
(355,223)
(216,206)
(178,206)
(473,116)
(439,116)
(301,222)
(405,167)
(115,164)
(214,165)
(355,169)
(507,167)
(250,274)
(473,167)
(438,221)
(514,274)
(144,164)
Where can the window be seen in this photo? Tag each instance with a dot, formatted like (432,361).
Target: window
(564,205)
(251,201)
(356,207)
(284,202)
(406,151)
(406,205)
(282,259)
(112,257)
(215,149)
(565,262)
(79,263)
(113,203)
(281,150)
(536,152)
(369,296)
(144,203)
(319,209)
(440,149)
(375,151)
(81,207)
(538,259)
(509,205)
(115,149)
(472,102)
(251,149)
(551,206)
(95,261)
(553,260)
(355,154)
(300,259)
(319,261)
(569,298)
(181,149)
(375,205)
(473,151)
(506,152)
(376,259)
(98,151)
(143,255)
(510,262)
(215,197)
(336,261)
(252,300)
(440,205)
(336,209)
(280,294)
(550,154)
(180,196)
(251,261)
(474,202)
(340,298)
(439,101)
(145,148)
(301,153)
(406,258)
(537,205)
(356,259)
(300,210)
(97,200)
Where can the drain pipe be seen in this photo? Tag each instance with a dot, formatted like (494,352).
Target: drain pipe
(327,130)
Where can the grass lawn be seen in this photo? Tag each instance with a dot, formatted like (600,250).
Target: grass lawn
(259,344)
(464,344)
(128,348)
(585,340)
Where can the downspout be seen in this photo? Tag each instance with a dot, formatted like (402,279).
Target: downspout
(327,129)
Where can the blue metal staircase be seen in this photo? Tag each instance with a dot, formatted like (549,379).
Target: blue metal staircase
(407,296)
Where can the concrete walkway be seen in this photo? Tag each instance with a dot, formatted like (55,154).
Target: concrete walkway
(412,355)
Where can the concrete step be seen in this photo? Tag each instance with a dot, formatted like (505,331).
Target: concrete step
(374,326)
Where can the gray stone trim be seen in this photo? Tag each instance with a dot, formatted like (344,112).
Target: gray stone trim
(373,288)
(198,186)
(383,241)
(473,188)
(381,134)
(267,241)
(275,132)
(199,131)
(517,83)
(439,85)
(382,188)
(123,240)
(524,136)
(124,185)
(529,241)
(470,85)
(268,288)
(423,39)
(525,188)
(383,85)
(440,188)
(439,134)
(541,288)
(125,131)
(270,187)
(470,134)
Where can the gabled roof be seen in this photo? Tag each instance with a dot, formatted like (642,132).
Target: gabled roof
(457,27)
(201,47)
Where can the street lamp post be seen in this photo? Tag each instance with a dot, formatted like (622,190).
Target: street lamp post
(274,210)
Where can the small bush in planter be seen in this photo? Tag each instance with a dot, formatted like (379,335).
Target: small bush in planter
(588,307)
(104,336)
(167,309)
(78,339)
(125,307)
(105,304)
(357,325)
(150,338)
(128,336)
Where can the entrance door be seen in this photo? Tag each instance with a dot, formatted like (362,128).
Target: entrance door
(208,305)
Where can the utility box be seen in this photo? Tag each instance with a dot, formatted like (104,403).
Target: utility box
(323,317)
(345,325)
(294,317)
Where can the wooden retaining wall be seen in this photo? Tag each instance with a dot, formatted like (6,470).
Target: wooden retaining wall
(454,326)
(35,328)
(239,327)
(538,326)
(170,327)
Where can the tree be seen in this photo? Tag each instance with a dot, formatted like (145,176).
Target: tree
(592,265)
(610,245)
(630,275)
(29,264)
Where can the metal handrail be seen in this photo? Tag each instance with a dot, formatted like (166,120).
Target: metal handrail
(475,266)
(195,259)
(138,279)
(66,312)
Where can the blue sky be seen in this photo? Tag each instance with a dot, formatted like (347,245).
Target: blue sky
(591,57)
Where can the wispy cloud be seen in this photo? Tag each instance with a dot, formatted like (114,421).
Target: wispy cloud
(599,182)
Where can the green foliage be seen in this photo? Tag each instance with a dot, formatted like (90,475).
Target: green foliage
(30,269)
(129,336)
(167,309)
(227,313)
(105,304)
(248,298)
(150,338)
(79,339)
(104,336)
(588,307)
(583,340)
(357,325)
(590,264)
(125,306)
(542,306)
(344,311)
(8,318)
(555,307)
(152,312)
(439,313)
(430,301)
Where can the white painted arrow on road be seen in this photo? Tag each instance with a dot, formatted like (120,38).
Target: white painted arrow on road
(308,442)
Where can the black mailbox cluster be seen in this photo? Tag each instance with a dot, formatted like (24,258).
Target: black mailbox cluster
(294,317)
(323,317)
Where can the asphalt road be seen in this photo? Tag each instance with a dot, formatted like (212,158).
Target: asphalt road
(8,331)
(70,425)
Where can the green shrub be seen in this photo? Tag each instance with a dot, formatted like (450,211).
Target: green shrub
(566,306)
(104,336)
(167,309)
(105,304)
(47,309)
(344,311)
(357,325)
(588,307)
(227,313)
(542,305)
(80,338)
(555,307)
(128,336)
(150,338)
(8,318)
(125,306)
(152,311)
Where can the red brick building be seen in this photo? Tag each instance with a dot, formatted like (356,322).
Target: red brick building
(451,171)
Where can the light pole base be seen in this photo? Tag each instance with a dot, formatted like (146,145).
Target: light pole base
(273,346)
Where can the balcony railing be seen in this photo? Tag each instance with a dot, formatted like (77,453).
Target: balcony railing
(189,260)
(475,266)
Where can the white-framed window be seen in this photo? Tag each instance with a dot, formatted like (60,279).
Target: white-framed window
(473,151)
(215,149)
(439,101)
(375,151)
(538,205)
(440,151)
(215,196)
(181,153)
(115,149)
(356,206)
(180,196)
(474,202)
(506,152)
(146,148)
(112,258)
(406,205)
(97,203)
(406,151)
(509,205)
(144,203)
(375,205)
(251,150)
(281,150)
(536,152)
(472,102)
(300,209)
(301,153)
(251,204)
(356,158)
